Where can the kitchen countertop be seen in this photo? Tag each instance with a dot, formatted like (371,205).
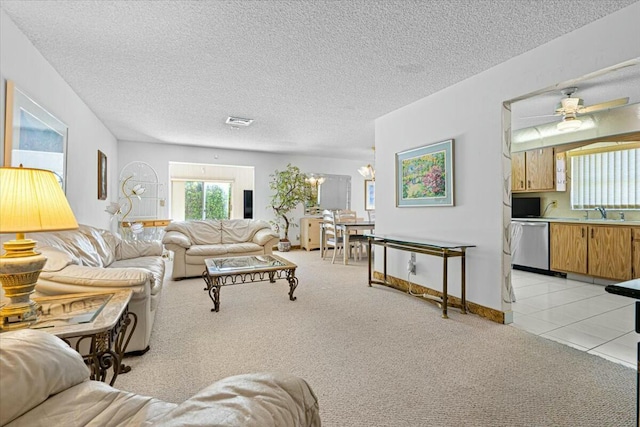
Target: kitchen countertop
(580,221)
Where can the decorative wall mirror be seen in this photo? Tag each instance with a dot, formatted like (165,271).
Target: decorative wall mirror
(334,192)
(34,138)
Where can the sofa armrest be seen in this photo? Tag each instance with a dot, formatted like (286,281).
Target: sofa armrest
(176,238)
(249,400)
(35,365)
(138,248)
(262,237)
(98,276)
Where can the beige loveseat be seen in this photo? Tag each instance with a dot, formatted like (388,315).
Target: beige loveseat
(193,241)
(92,260)
(46,383)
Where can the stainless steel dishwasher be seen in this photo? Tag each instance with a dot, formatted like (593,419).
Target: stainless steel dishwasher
(531,250)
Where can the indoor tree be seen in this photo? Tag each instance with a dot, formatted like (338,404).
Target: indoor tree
(290,189)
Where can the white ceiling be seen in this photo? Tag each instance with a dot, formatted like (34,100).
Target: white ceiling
(314,75)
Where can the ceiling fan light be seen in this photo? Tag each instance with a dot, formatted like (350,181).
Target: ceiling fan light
(569,124)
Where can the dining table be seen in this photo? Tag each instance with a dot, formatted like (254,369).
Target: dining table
(346,227)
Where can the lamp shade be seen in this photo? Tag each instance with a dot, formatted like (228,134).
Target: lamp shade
(32,200)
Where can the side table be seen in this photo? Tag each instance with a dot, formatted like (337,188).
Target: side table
(97,325)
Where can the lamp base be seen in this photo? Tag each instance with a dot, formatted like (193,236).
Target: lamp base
(18,276)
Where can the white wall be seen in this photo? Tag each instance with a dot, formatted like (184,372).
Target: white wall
(470,112)
(21,62)
(265,164)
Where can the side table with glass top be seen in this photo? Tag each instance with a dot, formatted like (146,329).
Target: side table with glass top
(97,325)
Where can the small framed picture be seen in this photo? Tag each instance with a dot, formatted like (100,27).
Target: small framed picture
(369,195)
(102,176)
(424,175)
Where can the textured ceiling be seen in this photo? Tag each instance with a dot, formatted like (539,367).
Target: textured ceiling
(314,75)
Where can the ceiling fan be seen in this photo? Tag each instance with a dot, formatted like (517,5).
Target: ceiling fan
(571,107)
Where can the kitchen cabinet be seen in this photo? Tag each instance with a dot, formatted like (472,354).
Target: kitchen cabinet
(310,233)
(635,252)
(595,250)
(609,252)
(533,170)
(517,171)
(569,248)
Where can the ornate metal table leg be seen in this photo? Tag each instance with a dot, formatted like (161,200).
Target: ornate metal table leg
(272,275)
(214,293)
(293,283)
(100,358)
(207,281)
(129,323)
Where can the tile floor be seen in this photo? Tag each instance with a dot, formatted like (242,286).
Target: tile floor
(581,315)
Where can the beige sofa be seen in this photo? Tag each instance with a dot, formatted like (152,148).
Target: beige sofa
(92,260)
(46,383)
(193,241)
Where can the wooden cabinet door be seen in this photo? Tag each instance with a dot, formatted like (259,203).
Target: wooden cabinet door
(569,248)
(610,252)
(517,171)
(310,233)
(635,252)
(540,170)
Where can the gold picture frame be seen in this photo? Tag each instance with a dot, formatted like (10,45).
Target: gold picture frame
(102,176)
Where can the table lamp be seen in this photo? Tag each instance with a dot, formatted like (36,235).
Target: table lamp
(31,200)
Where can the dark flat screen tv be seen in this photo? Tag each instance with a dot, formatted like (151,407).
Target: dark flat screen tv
(525,207)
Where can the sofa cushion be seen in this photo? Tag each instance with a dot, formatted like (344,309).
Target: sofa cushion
(154,265)
(207,250)
(57,259)
(241,230)
(238,249)
(72,241)
(104,243)
(248,400)
(206,232)
(90,276)
(35,365)
(138,248)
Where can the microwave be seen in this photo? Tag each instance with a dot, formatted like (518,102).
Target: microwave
(525,207)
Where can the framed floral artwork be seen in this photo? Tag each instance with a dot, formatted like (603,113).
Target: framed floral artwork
(369,195)
(424,176)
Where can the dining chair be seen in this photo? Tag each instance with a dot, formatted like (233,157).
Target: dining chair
(355,238)
(334,237)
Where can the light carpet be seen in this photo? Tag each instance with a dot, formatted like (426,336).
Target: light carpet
(376,356)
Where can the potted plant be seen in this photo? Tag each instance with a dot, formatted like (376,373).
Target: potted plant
(289,190)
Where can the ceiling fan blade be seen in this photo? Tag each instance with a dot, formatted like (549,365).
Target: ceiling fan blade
(543,115)
(604,105)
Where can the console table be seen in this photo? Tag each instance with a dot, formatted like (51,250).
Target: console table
(444,250)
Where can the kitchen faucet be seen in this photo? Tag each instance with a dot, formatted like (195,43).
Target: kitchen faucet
(602,211)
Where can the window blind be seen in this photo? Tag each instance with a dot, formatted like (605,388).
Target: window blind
(608,179)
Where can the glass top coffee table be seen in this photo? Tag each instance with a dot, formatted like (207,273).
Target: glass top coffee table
(245,269)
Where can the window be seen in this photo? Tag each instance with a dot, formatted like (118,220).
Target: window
(207,200)
(609,179)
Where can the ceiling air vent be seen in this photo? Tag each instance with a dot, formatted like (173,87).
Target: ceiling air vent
(238,121)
